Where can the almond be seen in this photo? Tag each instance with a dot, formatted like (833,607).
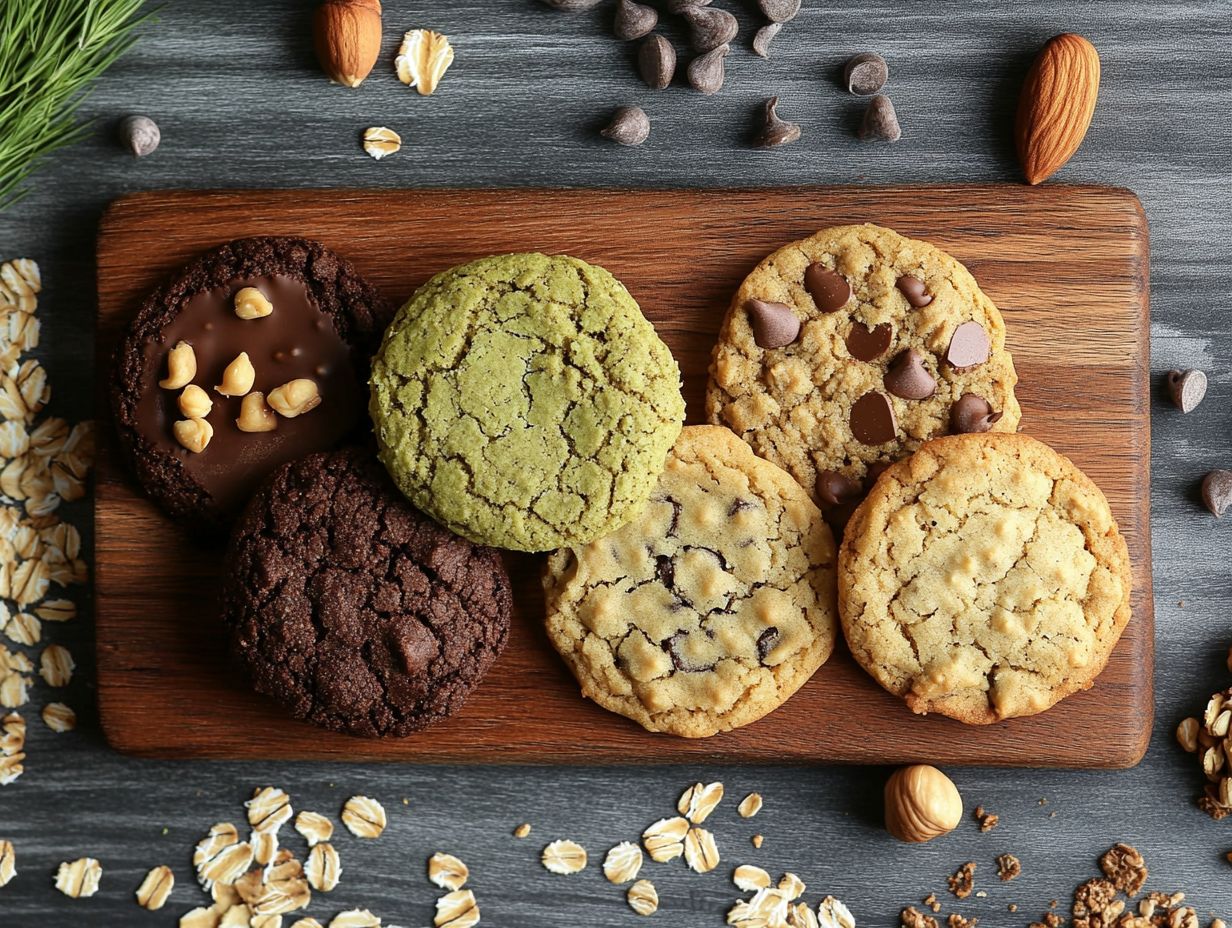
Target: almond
(1057,102)
(348,38)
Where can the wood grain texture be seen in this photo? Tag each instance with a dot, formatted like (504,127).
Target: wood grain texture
(1059,253)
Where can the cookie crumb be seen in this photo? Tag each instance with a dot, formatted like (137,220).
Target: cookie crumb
(1009,868)
(963,880)
(988,820)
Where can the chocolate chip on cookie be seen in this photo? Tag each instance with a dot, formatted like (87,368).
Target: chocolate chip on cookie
(867,344)
(829,289)
(969,347)
(835,489)
(972,414)
(915,291)
(908,378)
(872,419)
(774,324)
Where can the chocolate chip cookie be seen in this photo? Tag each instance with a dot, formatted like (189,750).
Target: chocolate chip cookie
(710,609)
(525,402)
(846,351)
(354,610)
(253,355)
(984,578)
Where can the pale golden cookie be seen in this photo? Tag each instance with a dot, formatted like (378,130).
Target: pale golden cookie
(812,365)
(984,578)
(710,609)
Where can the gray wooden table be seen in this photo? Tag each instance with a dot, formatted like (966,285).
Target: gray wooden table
(240,102)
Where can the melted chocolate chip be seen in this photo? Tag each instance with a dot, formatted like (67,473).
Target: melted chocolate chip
(875,470)
(830,290)
(908,378)
(766,643)
(835,489)
(676,510)
(969,347)
(738,506)
(915,291)
(674,646)
(665,570)
(774,324)
(867,344)
(872,419)
(972,414)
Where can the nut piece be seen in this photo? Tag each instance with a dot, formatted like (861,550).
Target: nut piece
(238,376)
(921,803)
(195,403)
(380,141)
(181,367)
(629,126)
(347,35)
(1057,102)
(423,59)
(140,135)
(251,303)
(294,398)
(1187,735)
(193,434)
(255,414)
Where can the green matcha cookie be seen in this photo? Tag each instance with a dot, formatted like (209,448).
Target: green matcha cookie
(523,401)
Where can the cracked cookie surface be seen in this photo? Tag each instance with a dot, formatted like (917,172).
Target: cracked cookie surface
(525,402)
(984,578)
(711,608)
(794,404)
(352,609)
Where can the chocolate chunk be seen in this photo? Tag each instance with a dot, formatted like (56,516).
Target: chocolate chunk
(1217,491)
(1187,389)
(779,11)
(972,414)
(872,419)
(656,61)
(829,289)
(915,291)
(867,344)
(969,347)
(775,131)
(634,20)
(881,121)
(766,643)
(774,324)
(763,37)
(865,74)
(835,489)
(710,28)
(706,72)
(908,378)
(875,470)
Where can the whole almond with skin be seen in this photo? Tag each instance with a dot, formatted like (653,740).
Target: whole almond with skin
(1058,100)
(347,34)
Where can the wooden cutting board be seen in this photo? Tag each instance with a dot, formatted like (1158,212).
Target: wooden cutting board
(1067,265)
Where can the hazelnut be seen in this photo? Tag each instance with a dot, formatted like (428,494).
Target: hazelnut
(193,434)
(255,414)
(294,398)
(238,377)
(181,367)
(195,403)
(921,803)
(251,303)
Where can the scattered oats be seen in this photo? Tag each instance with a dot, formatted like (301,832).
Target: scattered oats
(564,857)
(23,628)
(380,141)
(14,691)
(522,830)
(364,817)
(801,916)
(767,907)
(281,888)
(220,857)
(224,897)
(791,886)
(355,918)
(79,878)
(264,846)
(643,897)
(307,923)
(154,890)
(12,747)
(57,610)
(323,868)
(423,59)
(456,910)
(238,916)
(268,809)
(750,878)
(447,871)
(199,918)
(265,921)
(56,665)
(8,862)
(699,800)
(316,828)
(831,913)
(758,841)
(664,840)
(623,862)
(750,805)
(700,851)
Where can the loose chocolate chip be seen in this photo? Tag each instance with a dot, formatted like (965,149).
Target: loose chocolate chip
(766,642)
(867,344)
(872,419)
(880,121)
(776,131)
(629,126)
(706,72)
(972,414)
(829,289)
(634,20)
(779,11)
(1217,491)
(656,62)
(908,378)
(969,347)
(875,470)
(835,489)
(915,291)
(774,324)
(710,28)
(763,37)
(865,74)
(1187,389)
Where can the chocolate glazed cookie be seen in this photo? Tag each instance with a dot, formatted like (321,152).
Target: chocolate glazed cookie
(251,356)
(354,610)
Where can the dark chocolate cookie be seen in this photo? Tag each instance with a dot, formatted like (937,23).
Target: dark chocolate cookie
(354,610)
(306,325)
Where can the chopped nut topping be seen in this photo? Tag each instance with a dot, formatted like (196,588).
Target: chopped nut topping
(643,898)
(255,414)
(193,434)
(913,918)
(195,403)
(56,665)
(237,377)
(364,817)
(59,717)
(700,851)
(750,878)
(79,878)
(699,800)
(564,857)
(750,805)
(251,303)
(315,828)
(323,868)
(1008,868)
(181,367)
(1187,734)
(1125,867)
(522,830)
(8,862)
(1096,904)
(380,141)
(623,862)
(456,910)
(963,880)
(423,59)
(988,820)
(294,398)
(664,840)
(447,871)
(957,921)
(931,901)
(355,918)
(155,889)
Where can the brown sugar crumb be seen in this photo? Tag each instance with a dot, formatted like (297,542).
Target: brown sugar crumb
(914,918)
(1124,866)
(988,820)
(931,901)
(963,880)
(1096,904)
(1008,867)
(957,921)
(1012,907)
